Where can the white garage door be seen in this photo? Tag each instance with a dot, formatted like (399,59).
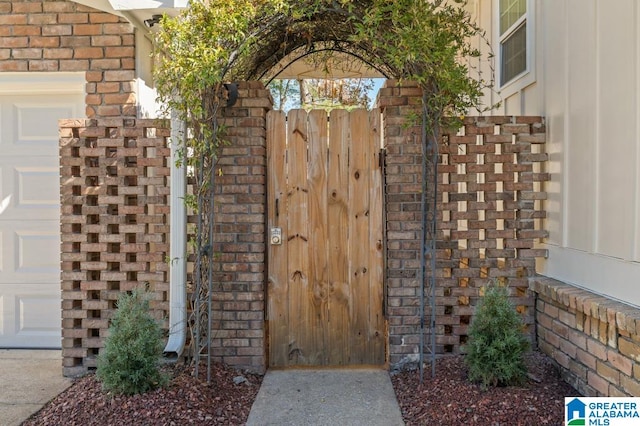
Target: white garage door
(30,107)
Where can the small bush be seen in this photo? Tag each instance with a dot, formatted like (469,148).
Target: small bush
(496,348)
(129,362)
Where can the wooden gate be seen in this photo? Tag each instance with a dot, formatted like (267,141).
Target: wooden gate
(325,290)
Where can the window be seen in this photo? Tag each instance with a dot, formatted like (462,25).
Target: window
(513,38)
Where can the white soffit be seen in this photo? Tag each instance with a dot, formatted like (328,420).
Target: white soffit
(102,5)
(147,4)
(139,9)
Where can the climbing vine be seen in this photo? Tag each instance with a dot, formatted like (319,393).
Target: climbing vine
(214,42)
(217,41)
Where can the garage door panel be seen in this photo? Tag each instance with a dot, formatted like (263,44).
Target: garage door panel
(30,317)
(30,108)
(35,312)
(38,187)
(30,189)
(5,315)
(31,122)
(38,121)
(30,252)
(37,252)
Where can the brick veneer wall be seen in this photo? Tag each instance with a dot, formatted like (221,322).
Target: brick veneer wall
(594,340)
(488,203)
(52,36)
(114,225)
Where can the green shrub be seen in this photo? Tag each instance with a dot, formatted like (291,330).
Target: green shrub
(129,361)
(496,347)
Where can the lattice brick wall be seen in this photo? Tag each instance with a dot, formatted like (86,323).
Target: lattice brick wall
(490,209)
(490,214)
(114,224)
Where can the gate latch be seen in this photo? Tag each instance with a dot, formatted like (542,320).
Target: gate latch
(276,236)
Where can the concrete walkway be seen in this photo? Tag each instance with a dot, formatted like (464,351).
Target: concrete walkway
(326,397)
(28,380)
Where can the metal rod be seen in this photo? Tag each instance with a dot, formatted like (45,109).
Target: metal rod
(423,233)
(210,279)
(211,253)
(198,272)
(433,243)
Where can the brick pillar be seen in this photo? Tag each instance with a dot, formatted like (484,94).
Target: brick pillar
(403,176)
(114,225)
(240,218)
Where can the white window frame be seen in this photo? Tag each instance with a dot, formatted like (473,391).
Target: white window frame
(528,76)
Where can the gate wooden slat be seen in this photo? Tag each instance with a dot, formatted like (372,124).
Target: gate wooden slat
(338,191)
(317,167)
(325,287)
(358,210)
(302,349)
(377,332)
(277,306)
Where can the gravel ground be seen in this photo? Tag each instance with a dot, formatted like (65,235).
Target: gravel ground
(446,400)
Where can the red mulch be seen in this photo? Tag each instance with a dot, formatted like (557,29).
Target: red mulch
(448,399)
(186,401)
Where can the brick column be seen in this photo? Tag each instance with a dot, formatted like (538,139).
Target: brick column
(403,176)
(240,217)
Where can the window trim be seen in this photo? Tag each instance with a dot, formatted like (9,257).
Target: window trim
(526,77)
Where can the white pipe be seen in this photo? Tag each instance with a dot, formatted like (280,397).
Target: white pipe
(178,246)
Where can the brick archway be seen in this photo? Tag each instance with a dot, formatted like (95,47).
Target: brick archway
(489,205)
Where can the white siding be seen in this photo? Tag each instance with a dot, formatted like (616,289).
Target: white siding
(554,70)
(616,141)
(579,155)
(587,85)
